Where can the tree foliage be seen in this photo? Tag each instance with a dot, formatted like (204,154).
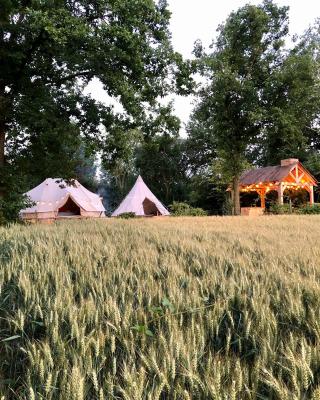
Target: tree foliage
(260,102)
(161,162)
(291,95)
(13,200)
(184,209)
(51,50)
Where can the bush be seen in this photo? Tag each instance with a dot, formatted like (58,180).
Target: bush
(184,209)
(287,209)
(309,209)
(10,206)
(12,197)
(127,215)
(280,209)
(227,206)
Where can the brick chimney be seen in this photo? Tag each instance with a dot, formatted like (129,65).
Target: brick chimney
(289,161)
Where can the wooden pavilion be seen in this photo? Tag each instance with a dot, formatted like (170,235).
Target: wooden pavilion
(290,174)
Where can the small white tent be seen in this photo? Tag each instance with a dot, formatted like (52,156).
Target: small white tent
(141,201)
(55,198)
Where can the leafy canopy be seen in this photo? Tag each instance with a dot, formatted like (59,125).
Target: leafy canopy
(53,48)
(260,102)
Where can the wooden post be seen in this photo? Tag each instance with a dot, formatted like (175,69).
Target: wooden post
(311,195)
(263,198)
(280,193)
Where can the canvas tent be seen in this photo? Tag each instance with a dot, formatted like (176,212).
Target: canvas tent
(54,198)
(141,201)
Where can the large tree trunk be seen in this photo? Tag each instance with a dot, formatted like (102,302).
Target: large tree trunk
(236,196)
(2,143)
(3,112)
(2,156)
(2,160)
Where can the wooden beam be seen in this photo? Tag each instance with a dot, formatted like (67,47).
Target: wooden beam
(311,195)
(280,193)
(262,195)
(300,176)
(295,177)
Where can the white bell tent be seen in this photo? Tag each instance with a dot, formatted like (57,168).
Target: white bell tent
(141,201)
(55,198)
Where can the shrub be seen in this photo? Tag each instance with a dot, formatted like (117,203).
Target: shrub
(12,197)
(10,206)
(280,209)
(310,209)
(227,206)
(287,209)
(127,215)
(184,209)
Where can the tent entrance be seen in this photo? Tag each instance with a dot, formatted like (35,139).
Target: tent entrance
(69,209)
(149,208)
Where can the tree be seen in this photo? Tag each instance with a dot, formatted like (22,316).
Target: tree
(119,157)
(13,200)
(86,170)
(262,101)
(291,96)
(200,145)
(160,160)
(312,163)
(248,47)
(50,50)
(204,187)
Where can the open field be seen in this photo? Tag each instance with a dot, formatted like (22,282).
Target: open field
(178,308)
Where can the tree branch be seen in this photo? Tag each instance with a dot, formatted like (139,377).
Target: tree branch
(69,77)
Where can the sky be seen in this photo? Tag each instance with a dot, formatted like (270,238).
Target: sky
(199,19)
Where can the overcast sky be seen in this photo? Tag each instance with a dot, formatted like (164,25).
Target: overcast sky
(199,19)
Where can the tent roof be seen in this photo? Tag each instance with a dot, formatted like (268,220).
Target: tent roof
(53,193)
(133,202)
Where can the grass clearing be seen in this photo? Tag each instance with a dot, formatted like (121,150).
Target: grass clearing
(168,308)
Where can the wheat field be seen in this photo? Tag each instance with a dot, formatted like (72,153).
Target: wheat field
(176,308)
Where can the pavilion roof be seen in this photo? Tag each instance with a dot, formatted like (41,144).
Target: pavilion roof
(270,174)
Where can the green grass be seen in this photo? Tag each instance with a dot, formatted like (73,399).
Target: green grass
(175,308)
